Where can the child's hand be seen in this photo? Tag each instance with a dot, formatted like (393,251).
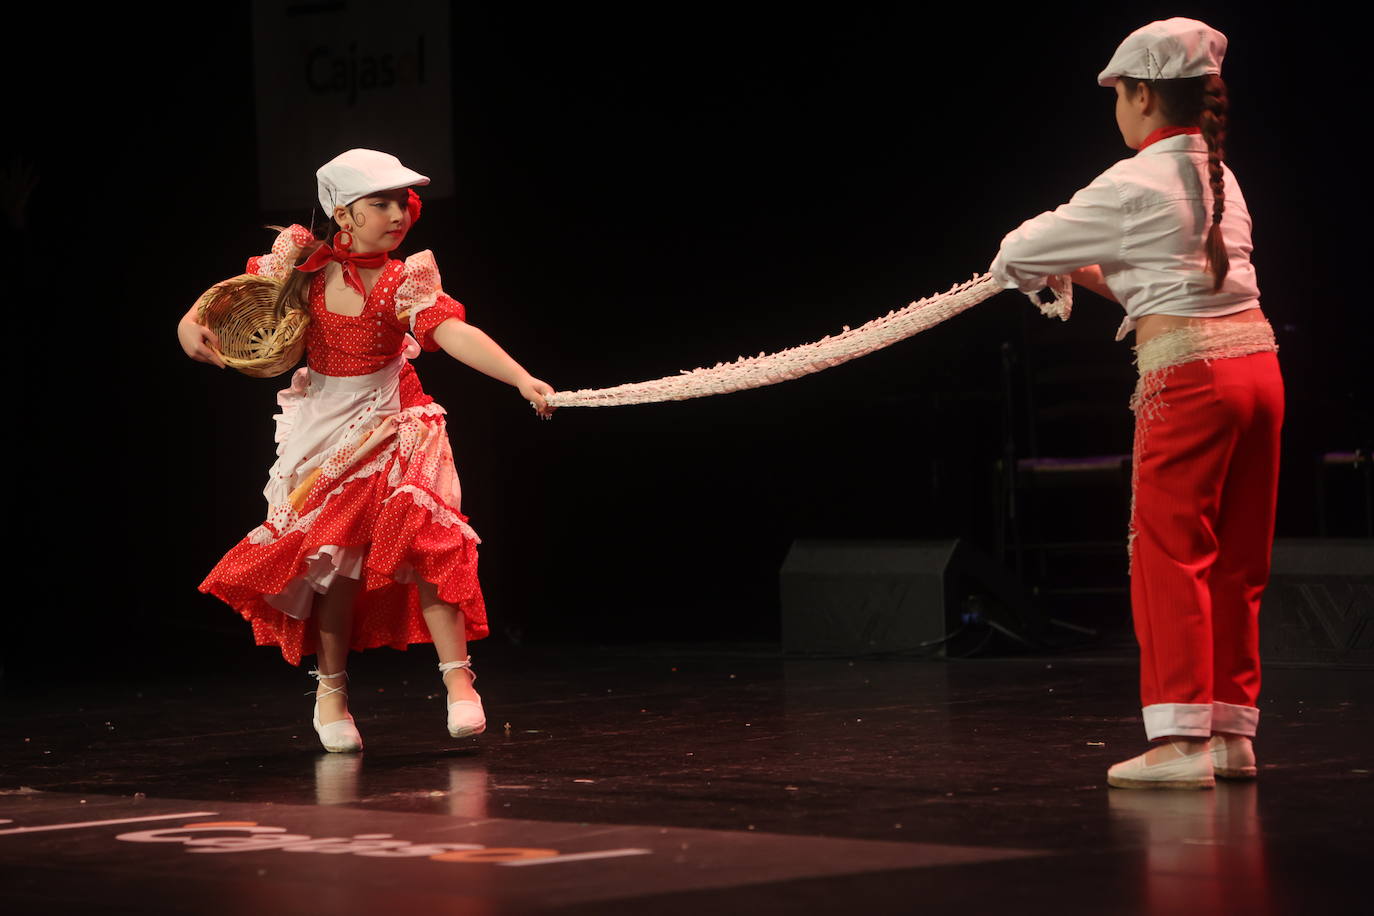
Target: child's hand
(199,342)
(533,390)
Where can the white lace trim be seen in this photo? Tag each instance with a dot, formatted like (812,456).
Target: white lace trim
(440,512)
(289,399)
(285,519)
(278,262)
(420,288)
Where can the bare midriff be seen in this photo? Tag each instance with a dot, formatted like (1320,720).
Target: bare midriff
(1151,326)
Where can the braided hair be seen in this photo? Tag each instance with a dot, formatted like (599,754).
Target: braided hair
(1200,101)
(1212,120)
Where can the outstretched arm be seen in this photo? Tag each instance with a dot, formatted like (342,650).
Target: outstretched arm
(1085,231)
(472,346)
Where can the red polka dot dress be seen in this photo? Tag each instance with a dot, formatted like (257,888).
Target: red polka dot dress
(364,484)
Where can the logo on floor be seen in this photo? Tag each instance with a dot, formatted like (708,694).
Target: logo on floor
(250,836)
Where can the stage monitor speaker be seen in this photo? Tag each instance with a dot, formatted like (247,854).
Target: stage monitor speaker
(867,597)
(1319,606)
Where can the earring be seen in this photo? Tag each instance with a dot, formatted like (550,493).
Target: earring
(343,240)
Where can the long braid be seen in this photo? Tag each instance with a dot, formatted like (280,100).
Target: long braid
(1212,120)
(1200,100)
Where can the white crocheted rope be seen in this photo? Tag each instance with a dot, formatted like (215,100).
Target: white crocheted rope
(769,369)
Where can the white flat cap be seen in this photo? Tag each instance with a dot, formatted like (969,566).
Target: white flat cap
(360,172)
(1168,49)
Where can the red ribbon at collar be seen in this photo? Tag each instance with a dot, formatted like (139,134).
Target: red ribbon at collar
(350,260)
(1165,133)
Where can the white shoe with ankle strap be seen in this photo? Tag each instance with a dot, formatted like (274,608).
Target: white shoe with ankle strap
(465,717)
(339,737)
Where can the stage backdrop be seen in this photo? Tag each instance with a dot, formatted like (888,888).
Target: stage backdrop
(328,78)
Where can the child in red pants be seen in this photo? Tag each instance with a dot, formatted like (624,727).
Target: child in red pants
(1166,233)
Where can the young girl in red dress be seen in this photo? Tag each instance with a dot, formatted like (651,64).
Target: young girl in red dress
(364,543)
(1166,233)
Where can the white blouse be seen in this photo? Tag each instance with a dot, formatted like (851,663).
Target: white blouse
(1144,221)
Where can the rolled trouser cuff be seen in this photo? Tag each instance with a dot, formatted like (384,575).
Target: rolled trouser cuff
(1188,720)
(1235,720)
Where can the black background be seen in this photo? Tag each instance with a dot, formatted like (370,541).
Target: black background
(638,193)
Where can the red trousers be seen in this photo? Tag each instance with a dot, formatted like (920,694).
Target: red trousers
(1207,467)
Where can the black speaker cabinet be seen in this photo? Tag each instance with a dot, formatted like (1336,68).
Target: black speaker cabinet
(1319,606)
(864,597)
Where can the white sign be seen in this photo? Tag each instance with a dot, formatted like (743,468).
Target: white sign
(332,76)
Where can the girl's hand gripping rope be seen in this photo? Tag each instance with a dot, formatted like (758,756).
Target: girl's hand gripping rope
(535,391)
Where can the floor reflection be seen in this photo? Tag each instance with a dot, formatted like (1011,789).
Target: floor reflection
(1204,849)
(336,778)
(468,784)
(466,789)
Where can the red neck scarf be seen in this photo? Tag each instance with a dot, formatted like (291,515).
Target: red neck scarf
(1165,133)
(350,260)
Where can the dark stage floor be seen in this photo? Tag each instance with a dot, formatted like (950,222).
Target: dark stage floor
(671,781)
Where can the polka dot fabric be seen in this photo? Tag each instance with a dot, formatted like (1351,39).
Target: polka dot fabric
(285,250)
(397,508)
(442,310)
(345,345)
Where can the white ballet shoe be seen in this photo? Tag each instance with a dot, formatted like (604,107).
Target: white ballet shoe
(1233,757)
(1186,771)
(339,737)
(465,717)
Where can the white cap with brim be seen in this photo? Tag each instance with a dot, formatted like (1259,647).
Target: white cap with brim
(1169,49)
(360,172)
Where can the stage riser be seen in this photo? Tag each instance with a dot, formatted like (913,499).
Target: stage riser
(867,597)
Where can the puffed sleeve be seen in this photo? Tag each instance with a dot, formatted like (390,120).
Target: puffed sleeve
(1087,230)
(421,301)
(278,262)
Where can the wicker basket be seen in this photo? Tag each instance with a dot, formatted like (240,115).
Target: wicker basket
(256,337)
